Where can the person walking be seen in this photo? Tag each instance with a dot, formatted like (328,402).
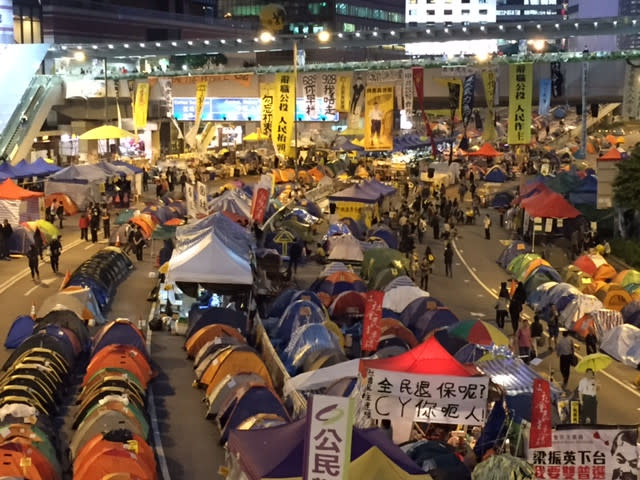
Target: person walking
(138,243)
(435,224)
(32,257)
(55,248)
(523,341)
(537,340)
(60,213)
(487,227)
(83,223)
(294,258)
(425,270)
(553,326)
(587,390)
(591,341)
(448,260)
(38,242)
(415,266)
(5,235)
(94,224)
(502,307)
(422,228)
(106,223)
(565,352)
(515,306)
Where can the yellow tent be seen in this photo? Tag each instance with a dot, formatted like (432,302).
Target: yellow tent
(255,137)
(105,132)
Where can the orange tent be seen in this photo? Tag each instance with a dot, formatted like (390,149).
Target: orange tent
(31,462)
(485,150)
(615,297)
(119,459)
(538,262)
(120,356)
(612,155)
(612,139)
(583,325)
(209,333)
(316,174)
(231,363)
(146,227)
(605,273)
(70,208)
(391,326)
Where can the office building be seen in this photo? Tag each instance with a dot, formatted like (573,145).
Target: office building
(528,10)
(594,9)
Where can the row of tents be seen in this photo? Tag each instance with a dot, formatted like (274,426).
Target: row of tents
(111,430)
(24,169)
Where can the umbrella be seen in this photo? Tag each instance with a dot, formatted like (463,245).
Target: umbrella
(595,362)
(478,332)
(47,229)
(339,282)
(126,215)
(105,132)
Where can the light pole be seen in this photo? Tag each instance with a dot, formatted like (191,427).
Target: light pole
(582,153)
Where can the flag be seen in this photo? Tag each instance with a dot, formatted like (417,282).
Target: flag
(520,92)
(266,108)
(544,104)
(540,435)
(557,80)
(343,93)
(378,114)
(455,98)
(142,106)
(468,93)
(371,324)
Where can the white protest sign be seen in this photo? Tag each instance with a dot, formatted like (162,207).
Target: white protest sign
(190,196)
(202,203)
(426,398)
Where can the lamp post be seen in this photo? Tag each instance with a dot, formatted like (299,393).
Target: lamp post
(582,153)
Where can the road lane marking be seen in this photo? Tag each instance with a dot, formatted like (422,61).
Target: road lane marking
(35,287)
(13,280)
(90,246)
(482,284)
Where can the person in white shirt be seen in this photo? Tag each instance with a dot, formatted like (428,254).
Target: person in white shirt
(588,388)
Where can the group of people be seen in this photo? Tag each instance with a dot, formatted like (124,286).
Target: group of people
(55,211)
(91,219)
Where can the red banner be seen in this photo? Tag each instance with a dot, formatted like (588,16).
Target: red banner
(540,435)
(418,84)
(259,204)
(372,324)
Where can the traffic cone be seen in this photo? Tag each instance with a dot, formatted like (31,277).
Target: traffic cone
(33,310)
(117,240)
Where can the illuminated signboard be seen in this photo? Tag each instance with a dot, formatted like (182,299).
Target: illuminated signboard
(239,110)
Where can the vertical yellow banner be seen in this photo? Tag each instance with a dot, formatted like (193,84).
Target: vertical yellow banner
(520,95)
(142,106)
(267,91)
(378,114)
(201,95)
(489,81)
(283,113)
(343,93)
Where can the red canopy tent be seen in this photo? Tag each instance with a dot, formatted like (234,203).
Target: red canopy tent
(428,358)
(612,155)
(549,204)
(10,191)
(485,150)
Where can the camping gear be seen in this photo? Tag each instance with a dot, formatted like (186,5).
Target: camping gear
(478,332)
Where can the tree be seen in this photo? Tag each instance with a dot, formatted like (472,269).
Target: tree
(626,186)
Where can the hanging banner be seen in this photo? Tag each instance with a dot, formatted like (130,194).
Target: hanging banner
(540,435)
(489,80)
(202,204)
(544,103)
(426,398)
(142,106)
(557,80)
(327,451)
(190,196)
(378,118)
(407,92)
(328,82)
(266,108)
(455,97)
(166,90)
(283,113)
(201,94)
(371,324)
(594,452)
(630,93)
(310,93)
(418,84)
(520,92)
(468,94)
(260,201)
(343,93)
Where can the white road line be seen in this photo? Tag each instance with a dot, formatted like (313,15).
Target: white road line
(13,280)
(482,284)
(35,287)
(91,245)
(153,415)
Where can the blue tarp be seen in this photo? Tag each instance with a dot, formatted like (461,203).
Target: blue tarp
(43,168)
(338,229)
(24,170)
(502,200)
(379,187)
(6,170)
(495,175)
(21,328)
(586,192)
(513,375)
(300,312)
(130,166)
(356,193)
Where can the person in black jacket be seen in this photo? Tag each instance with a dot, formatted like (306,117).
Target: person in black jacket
(32,257)
(5,234)
(60,213)
(55,248)
(448,260)
(515,306)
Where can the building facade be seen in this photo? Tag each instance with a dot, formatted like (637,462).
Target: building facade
(529,10)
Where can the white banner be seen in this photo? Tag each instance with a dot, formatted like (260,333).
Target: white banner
(327,91)
(407,91)
(201,199)
(190,196)
(593,453)
(384,76)
(310,94)
(426,398)
(328,438)
(166,89)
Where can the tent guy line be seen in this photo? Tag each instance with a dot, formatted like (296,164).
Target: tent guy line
(153,415)
(485,287)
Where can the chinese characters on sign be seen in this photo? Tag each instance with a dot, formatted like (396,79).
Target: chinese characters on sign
(520,92)
(540,435)
(407,91)
(328,438)
(371,326)
(201,94)
(489,81)
(260,200)
(603,453)
(310,92)
(266,108)
(426,398)
(190,196)
(343,92)
(378,118)
(202,204)
(142,106)
(328,91)
(283,116)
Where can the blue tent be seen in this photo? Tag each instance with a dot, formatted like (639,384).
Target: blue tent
(338,229)
(299,313)
(21,240)
(378,187)
(308,340)
(502,200)
(280,304)
(586,192)
(100,292)
(200,318)
(310,207)
(512,251)
(24,170)
(355,193)
(21,328)
(495,175)
(257,399)
(119,333)
(43,168)
(401,281)
(130,166)
(470,353)
(389,237)
(416,308)
(6,170)
(354,227)
(308,296)
(431,320)
(513,375)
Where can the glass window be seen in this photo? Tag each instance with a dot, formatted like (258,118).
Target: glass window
(448,12)
(465,12)
(349,27)
(482,12)
(431,12)
(341,8)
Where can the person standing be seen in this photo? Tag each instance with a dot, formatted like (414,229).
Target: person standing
(53,208)
(515,306)
(60,213)
(523,341)
(591,341)
(435,224)
(106,223)
(32,257)
(487,227)
(502,307)
(537,340)
(83,223)
(448,260)
(422,228)
(94,224)
(415,266)
(565,351)
(138,243)
(588,389)
(55,247)
(5,235)
(425,270)
(38,242)
(294,257)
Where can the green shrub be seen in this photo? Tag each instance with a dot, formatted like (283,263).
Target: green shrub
(626,250)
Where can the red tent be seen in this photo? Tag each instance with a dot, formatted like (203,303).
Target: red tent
(549,204)
(10,191)
(428,358)
(612,155)
(485,150)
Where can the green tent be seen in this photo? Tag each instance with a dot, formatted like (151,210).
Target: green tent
(519,264)
(378,259)
(163,232)
(386,276)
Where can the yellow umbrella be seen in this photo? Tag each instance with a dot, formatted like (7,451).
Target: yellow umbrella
(255,137)
(164,268)
(595,362)
(47,229)
(105,132)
